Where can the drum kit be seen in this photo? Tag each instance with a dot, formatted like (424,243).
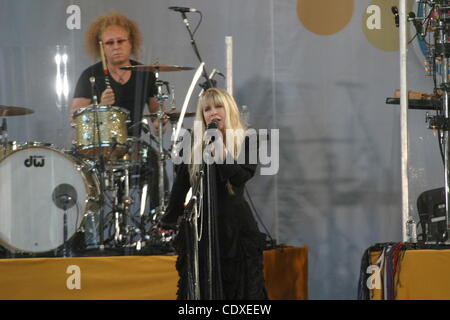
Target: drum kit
(96,198)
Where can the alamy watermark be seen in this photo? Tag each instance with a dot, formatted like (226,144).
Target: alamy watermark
(258,147)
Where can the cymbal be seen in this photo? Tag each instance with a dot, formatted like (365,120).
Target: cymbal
(6,111)
(156,67)
(172,116)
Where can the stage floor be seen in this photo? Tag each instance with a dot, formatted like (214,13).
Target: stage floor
(152,277)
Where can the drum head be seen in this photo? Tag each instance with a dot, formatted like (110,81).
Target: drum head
(30,219)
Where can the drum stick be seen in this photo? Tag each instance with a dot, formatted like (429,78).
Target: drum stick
(105,67)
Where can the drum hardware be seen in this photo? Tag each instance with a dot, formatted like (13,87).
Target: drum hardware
(8,111)
(65,197)
(3,139)
(161,116)
(161,97)
(101,136)
(90,231)
(126,199)
(115,178)
(101,169)
(4,133)
(171,116)
(97,133)
(7,147)
(122,230)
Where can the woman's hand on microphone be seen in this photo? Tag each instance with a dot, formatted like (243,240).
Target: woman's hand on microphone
(221,149)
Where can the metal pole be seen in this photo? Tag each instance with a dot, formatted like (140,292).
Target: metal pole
(443,36)
(229,53)
(195,232)
(404,119)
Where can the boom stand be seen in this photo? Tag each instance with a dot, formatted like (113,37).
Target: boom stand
(208,83)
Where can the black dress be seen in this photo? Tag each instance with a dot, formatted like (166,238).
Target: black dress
(239,246)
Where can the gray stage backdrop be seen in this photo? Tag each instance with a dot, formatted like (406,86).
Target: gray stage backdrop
(319,71)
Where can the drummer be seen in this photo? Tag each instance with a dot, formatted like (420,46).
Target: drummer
(121,39)
(131,90)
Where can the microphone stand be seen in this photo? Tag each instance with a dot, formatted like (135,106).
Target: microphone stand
(193,211)
(65,231)
(208,83)
(64,197)
(214,278)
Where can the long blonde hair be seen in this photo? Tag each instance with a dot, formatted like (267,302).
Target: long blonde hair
(216,97)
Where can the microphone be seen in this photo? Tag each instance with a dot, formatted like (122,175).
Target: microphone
(396,16)
(183,9)
(213,125)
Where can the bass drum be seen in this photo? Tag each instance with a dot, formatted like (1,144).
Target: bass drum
(35,182)
(8,147)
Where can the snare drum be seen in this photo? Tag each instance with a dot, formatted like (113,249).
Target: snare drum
(110,137)
(31,218)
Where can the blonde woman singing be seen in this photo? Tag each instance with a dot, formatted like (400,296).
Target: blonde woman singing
(237,243)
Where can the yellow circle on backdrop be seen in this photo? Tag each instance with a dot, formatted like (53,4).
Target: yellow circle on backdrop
(325,17)
(378,24)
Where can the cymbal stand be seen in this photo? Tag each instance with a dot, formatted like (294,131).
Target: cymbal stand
(161,97)
(4,135)
(127,202)
(101,167)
